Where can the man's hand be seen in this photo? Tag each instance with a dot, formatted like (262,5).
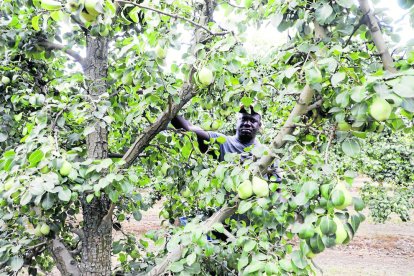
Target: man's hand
(180,123)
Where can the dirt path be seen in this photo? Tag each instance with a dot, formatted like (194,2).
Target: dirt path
(377,249)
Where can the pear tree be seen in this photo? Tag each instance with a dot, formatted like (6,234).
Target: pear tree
(87,93)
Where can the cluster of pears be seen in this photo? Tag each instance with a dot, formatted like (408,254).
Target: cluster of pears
(257,186)
(42,229)
(88,9)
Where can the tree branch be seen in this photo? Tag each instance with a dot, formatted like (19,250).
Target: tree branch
(175,16)
(79,233)
(278,142)
(64,260)
(205,227)
(188,91)
(315,105)
(377,37)
(53,46)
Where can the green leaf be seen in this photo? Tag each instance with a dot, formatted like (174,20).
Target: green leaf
(243,261)
(298,260)
(89,198)
(244,206)
(137,215)
(337,78)
(286,265)
(289,137)
(254,266)
(57,15)
(345,3)
(351,147)
(405,88)
(408,104)
(342,99)
(310,188)
(176,267)
(16,263)
(36,157)
(26,197)
(220,171)
(301,199)
(65,194)
(3,137)
(36,187)
(358,94)
(323,12)
(191,258)
(221,139)
(88,130)
(249,245)
(35,22)
(133,14)
(313,75)
(48,201)
(246,101)
(218,227)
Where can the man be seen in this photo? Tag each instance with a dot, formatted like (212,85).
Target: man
(247,127)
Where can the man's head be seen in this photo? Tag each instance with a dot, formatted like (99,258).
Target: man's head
(248,124)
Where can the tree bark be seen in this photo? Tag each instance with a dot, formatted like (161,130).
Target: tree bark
(377,37)
(64,260)
(97,228)
(279,141)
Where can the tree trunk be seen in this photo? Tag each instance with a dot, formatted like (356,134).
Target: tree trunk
(97,227)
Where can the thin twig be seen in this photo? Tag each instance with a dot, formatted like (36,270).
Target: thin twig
(315,105)
(331,136)
(360,22)
(53,125)
(175,16)
(231,4)
(37,245)
(83,28)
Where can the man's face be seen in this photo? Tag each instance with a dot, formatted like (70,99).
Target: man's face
(247,126)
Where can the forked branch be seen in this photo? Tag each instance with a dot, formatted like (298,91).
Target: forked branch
(53,46)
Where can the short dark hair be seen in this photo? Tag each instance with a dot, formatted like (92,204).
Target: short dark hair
(252,112)
(244,111)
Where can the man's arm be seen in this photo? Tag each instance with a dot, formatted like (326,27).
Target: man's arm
(180,123)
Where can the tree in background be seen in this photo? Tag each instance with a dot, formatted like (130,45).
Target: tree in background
(82,150)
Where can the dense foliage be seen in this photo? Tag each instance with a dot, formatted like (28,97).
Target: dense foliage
(64,127)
